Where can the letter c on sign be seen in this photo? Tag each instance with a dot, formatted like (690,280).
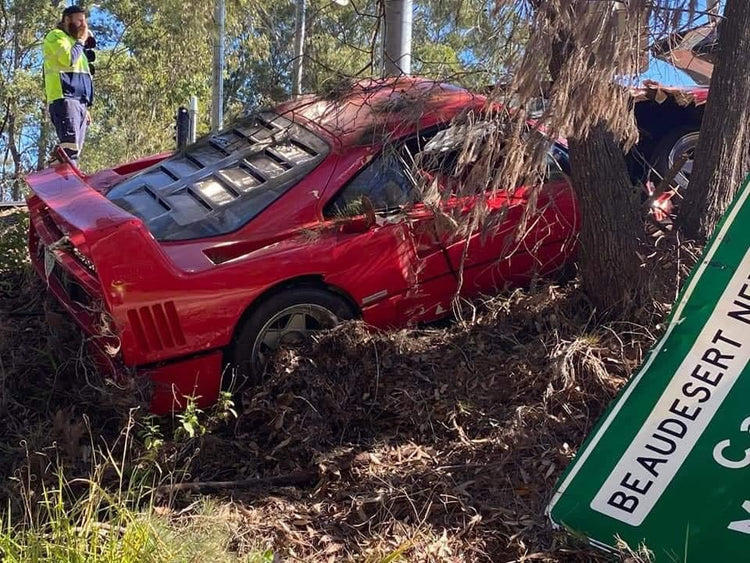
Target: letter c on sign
(721,459)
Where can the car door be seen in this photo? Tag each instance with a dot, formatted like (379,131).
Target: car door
(392,264)
(527,232)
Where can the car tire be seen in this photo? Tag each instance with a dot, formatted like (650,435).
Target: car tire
(321,308)
(676,141)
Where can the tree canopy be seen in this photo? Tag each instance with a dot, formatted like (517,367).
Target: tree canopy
(153,55)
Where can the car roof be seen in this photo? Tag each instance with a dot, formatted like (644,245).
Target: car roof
(222,181)
(374,110)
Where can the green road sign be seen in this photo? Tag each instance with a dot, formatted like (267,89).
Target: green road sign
(669,463)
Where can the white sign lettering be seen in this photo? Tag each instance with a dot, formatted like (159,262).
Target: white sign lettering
(684,410)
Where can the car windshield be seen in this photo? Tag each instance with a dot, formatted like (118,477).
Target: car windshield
(224,180)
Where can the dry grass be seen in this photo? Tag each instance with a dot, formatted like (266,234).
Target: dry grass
(437,444)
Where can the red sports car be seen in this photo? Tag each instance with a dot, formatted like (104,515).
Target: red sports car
(287,222)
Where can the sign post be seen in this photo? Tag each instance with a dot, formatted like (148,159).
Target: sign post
(668,466)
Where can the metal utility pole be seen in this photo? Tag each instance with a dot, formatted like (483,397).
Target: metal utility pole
(299,47)
(217,110)
(397,38)
(193,110)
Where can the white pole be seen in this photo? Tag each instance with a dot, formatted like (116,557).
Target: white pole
(217,110)
(193,112)
(299,48)
(397,39)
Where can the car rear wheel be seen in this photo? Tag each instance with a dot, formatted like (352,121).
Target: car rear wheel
(285,319)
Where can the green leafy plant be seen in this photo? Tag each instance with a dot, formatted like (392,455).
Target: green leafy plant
(190,421)
(194,421)
(224,409)
(151,436)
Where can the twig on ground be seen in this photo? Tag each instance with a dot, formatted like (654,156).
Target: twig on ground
(296,478)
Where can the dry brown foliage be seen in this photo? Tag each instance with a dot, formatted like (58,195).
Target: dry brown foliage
(440,444)
(600,53)
(437,444)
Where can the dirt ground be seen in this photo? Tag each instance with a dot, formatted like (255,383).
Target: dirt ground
(441,443)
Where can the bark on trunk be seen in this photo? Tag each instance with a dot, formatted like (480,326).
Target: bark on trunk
(45,127)
(17,164)
(608,260)
(722,157)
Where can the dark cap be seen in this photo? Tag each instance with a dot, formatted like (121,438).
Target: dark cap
(74,9)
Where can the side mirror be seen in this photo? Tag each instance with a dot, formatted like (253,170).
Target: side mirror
(360,223)
(356,224)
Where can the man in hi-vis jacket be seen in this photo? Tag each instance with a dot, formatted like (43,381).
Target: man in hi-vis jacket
(67,80)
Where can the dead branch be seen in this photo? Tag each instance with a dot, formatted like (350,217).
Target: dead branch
(294,479)
(666,181)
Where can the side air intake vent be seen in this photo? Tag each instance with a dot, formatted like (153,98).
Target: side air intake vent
(157,327)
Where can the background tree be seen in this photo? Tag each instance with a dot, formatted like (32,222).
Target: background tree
(153,55)
(22,27)
(153,58)
(589,40)
(722,157)
(586,56)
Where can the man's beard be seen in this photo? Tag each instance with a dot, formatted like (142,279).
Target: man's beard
(73,30)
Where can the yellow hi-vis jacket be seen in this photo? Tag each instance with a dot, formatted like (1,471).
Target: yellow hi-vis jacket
(66,69)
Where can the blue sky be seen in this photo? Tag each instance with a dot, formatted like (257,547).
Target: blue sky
(666,74)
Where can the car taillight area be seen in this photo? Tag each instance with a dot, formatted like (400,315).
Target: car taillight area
(75,292)
(149,336)
(69,273)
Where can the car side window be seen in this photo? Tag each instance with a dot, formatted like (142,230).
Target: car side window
(384,182)
(447,146)
(558,164)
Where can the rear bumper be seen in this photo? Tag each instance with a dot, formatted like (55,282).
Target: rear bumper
(169,382)
(166,385)
(78,291)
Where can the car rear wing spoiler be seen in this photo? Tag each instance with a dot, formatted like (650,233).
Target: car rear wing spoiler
(113,239)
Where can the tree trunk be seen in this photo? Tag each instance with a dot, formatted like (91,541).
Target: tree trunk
(44,135)
(722,157)
(17,164)
(608,261)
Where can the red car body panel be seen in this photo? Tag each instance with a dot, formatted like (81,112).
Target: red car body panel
(171,308)
(684,95)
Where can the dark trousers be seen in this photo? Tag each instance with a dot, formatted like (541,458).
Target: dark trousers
(69,118)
